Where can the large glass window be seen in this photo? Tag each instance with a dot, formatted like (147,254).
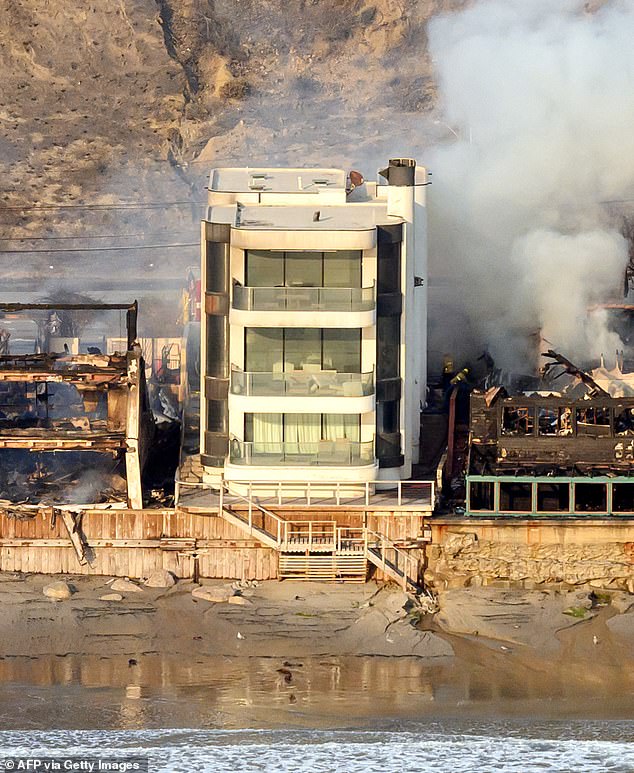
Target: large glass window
(516,497)
(216,346)
(271,350)
(300,428)
(591,498)
(264,268)
(553,497)
(389,268)
(342,268)
(303,269)
(264,350)
(216,267)
(270,268)
(481,496)
(388,336)
(342,350)
(623,497)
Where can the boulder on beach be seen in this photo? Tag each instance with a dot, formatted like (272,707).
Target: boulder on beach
(160,578)
(215,594)
(122,585)
(59,590)
(240,601)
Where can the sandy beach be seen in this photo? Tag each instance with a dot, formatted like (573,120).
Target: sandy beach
(307,654)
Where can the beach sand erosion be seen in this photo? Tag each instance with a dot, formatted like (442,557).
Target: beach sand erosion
(307,654)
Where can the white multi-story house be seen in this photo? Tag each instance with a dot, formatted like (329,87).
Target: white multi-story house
(314,327)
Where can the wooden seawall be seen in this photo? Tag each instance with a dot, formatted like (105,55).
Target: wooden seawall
(201,544)
(133,543)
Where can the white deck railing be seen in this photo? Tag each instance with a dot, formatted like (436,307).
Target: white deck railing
(340,493)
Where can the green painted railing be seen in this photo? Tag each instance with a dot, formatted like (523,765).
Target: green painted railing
(534,496)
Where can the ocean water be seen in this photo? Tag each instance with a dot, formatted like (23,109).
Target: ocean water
(429,747)
(336,715)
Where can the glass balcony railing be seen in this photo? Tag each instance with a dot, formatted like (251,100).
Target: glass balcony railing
(303,298)
(333,453)
(302,383)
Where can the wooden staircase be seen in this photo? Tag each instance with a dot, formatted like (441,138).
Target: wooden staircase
(393,561)
(320,550)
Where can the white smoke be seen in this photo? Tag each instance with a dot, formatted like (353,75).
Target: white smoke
(541,96)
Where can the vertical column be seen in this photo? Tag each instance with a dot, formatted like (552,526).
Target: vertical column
(406,199)
(390,360)
(215,345)
(133,428)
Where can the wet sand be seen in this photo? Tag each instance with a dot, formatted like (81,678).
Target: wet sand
(309,655)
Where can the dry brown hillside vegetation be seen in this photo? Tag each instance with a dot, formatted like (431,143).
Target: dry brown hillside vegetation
(133,101)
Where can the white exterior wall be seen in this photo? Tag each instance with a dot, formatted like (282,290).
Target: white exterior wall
(420,297)
(405,204)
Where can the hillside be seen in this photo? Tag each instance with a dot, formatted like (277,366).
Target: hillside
(132,101)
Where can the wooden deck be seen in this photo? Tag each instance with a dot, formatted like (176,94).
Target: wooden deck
(412,498)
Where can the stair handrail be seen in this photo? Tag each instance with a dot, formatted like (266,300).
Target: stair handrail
(385,543)
(279,521)
(282,524)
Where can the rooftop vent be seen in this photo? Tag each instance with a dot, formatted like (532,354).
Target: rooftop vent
(257,181)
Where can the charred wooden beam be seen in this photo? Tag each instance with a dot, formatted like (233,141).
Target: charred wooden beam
(570,367)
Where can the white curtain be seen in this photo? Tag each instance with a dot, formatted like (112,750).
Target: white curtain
(267,433)
(338,426)
(302,432)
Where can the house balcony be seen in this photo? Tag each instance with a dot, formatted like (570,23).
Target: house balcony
(308,390)
(303,306)
(326,453)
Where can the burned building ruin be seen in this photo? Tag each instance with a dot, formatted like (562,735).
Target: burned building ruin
(552,452)
(74,427)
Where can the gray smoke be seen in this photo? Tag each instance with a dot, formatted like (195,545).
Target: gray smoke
(540,97)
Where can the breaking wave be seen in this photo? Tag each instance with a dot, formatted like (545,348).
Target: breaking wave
(490,747)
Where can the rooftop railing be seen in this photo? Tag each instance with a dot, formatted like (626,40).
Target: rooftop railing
(331,453)
(302,383)
(303,298)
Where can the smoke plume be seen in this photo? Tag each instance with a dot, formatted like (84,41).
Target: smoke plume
(539,98)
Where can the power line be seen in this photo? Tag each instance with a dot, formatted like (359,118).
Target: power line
(97,236)
(104,249)
(156,205)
